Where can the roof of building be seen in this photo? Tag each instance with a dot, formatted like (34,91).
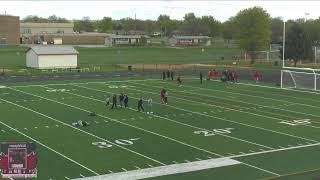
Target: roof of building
(68,34)
(46,25)
(191,37)
(53,50)
(128,36)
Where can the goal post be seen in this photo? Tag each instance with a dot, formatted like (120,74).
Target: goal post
(300,78)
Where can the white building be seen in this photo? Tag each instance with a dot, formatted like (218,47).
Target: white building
(49,57)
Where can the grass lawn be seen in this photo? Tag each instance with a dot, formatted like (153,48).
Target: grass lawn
(14,57)
(267,133)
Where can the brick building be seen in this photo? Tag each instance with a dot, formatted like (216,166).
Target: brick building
(9,30)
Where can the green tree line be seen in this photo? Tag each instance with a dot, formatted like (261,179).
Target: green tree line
(252,29)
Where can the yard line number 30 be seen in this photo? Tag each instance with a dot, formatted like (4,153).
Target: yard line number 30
(122,142)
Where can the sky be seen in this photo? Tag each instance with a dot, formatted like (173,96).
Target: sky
(221,10)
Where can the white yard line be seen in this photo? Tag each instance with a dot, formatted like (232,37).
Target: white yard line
(261,97)
(109,119)
(274,150)
(147,157)
(169,169)
(38,142)
(136,127)
(259,105)
(178,122)
(69,83)
(224,119)
(239,110)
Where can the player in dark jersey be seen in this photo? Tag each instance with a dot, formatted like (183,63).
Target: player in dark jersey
(140,105)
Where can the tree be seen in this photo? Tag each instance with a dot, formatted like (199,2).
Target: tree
(192,24)
(253,30)
(34,19)
(164,22)
(84,25)
(298,46)
(105,25)
(210,26)
(277,30)
(228,32)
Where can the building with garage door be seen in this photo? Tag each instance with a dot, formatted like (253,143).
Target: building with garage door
(50,57)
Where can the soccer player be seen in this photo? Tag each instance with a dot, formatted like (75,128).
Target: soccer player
(257,76)
(114,102)
(126,101)
(201,77)
(107,101)
(211,74)
(179,80)
(166,94)
(172,75)
(121,98)
(234,76)
(163,75)
(162,94)
(168,74)
(140,104)
(149,110)
(224,76)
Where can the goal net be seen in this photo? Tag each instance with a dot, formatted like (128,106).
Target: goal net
(300,78)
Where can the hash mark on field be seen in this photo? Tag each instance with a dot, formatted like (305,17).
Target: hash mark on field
(47,126)
(252,151)
(66,177)
(198,159)
(137,167)
(3,130)
(25,128)
(124,169)
(281,147)
(175,162)
(57,125)
(150,165)
(261,149)
(106,121)
(186,160)
(241,153)
(82,175)
(36,127)
(231,154)
(209,157)
(110,171)
(96,122)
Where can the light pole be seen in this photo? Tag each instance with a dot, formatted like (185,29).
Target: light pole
(283,41)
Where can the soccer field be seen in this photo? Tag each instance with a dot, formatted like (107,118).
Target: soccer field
(208,131)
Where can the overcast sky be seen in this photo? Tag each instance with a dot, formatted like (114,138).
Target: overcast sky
(221,10)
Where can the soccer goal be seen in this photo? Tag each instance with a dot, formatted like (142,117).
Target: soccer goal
(300,78)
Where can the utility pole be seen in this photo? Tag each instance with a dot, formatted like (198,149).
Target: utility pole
(283,41)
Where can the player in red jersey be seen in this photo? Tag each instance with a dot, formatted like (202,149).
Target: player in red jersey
(234,76)
(31,161)
(257,76)
(4,161)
